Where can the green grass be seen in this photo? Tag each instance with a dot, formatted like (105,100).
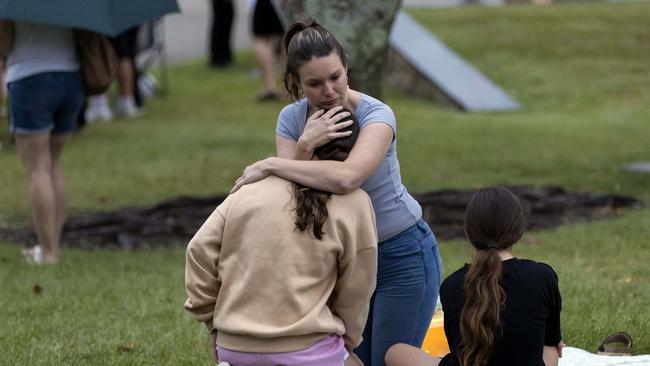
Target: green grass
(581,72)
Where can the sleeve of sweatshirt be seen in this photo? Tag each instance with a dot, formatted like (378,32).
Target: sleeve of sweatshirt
(357,276)
(202,257)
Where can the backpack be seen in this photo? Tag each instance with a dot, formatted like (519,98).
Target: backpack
(98,60)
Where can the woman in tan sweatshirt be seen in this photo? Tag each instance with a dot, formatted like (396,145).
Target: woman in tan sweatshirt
(283,274)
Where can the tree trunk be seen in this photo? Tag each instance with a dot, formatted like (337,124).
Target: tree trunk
(363,26)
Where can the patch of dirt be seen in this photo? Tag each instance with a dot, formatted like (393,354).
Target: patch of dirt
(175,221)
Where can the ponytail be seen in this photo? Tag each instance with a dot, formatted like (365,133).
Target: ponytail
(480,319)
(311,209)
(494,221)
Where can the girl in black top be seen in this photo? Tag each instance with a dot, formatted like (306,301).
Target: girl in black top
(499,310)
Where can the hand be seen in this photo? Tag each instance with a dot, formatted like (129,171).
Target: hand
(252,173)
(322,127)
(560,346)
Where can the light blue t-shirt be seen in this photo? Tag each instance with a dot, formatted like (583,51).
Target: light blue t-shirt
(395,209)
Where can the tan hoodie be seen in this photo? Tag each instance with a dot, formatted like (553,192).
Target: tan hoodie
(265,287)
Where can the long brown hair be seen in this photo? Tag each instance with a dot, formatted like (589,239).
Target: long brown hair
(304,40)
(311,204)
(494,221)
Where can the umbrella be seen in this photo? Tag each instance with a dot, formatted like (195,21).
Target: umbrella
(110,17)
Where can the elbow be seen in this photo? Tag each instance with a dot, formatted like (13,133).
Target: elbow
(190,249)
(347,183)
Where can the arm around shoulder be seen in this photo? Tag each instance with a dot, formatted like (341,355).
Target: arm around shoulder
(338,177)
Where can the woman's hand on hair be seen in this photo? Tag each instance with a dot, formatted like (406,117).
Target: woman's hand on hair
(322,127)
(253,173)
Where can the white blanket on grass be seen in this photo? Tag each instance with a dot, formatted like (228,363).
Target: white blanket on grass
(579,357)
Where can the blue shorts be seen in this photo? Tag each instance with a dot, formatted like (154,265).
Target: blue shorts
(46,102)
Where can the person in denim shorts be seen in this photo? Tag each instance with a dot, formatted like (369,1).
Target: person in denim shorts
(46,94)
(409,266)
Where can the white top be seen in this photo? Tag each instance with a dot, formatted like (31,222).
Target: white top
(40,48)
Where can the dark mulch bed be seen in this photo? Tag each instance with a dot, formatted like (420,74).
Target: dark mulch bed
(176,220)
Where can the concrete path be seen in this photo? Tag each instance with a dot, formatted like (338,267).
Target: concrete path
(186,33)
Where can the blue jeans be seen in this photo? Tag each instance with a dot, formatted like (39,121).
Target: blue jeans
(46,102)
(409,274)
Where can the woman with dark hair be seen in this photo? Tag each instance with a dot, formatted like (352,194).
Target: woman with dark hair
(499,310)
(409,267)
(282,274)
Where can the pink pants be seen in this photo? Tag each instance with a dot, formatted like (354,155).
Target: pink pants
(329,351)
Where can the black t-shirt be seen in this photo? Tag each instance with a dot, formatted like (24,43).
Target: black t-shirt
(530,318)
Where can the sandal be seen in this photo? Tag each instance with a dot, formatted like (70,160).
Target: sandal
(33,255)
(617,344)
(269,96)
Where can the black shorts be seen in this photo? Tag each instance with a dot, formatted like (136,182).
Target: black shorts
(266,22)
(126,44)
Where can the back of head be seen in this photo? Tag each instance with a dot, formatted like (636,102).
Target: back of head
(311,204)
(304,40)
(494,221)
(339,149)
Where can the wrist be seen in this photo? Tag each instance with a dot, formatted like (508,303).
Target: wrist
(270,164)
(304,147)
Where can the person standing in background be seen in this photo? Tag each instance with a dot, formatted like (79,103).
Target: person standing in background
(267,30)
(128,101)
(223,14)
(46,89)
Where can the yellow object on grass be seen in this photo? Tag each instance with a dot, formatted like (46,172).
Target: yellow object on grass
(435,342)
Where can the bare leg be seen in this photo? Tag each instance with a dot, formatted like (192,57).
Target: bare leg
(34,151)
(265,60)
(125,77)
(403,354)
(126,105)
(58,181)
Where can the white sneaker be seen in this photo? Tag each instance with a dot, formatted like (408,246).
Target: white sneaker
(97,109)
(33,255)
(125,107)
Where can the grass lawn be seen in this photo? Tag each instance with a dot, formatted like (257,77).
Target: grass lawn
(580,70)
